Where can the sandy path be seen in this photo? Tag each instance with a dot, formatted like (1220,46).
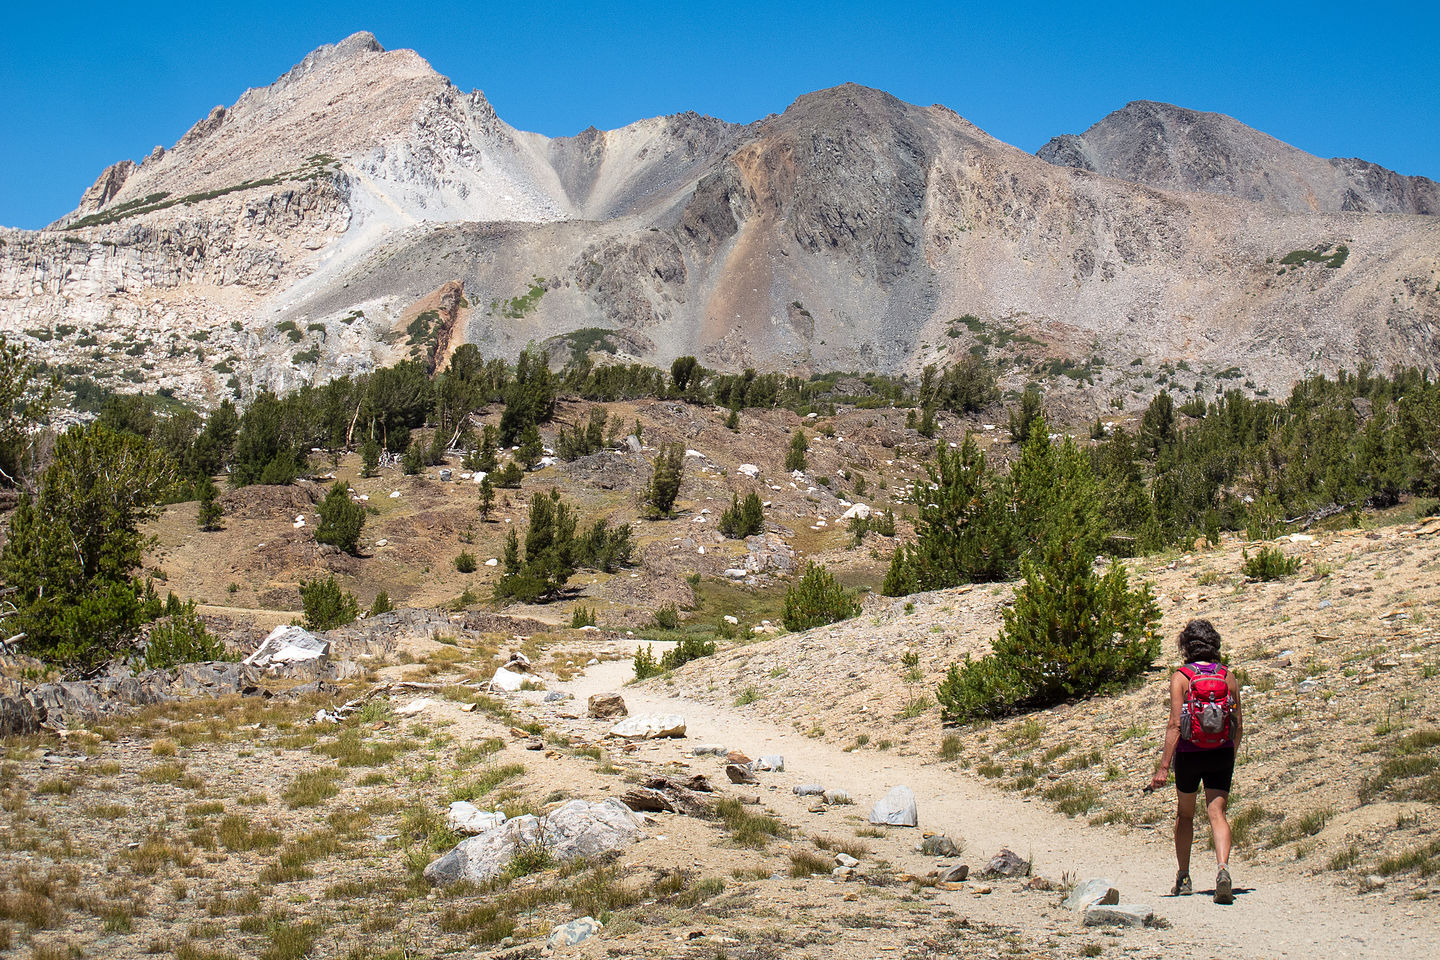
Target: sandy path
(1275,914)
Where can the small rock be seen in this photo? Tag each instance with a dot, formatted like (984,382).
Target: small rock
(957,874)
(808,790)
(468,818)
(739,773)
(1007,863)
(845,860)
(707,750)
(735,756)
(576,931)
(1090,893)
(939,846)
(556,696)
(1374,882)
(897,809)
(507,680)
(982,891)
(772,764)
(607,706)
(1121,915)
(414,707)
(843,873)
(837,797)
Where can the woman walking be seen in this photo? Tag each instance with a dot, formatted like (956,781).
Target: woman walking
(1201,738)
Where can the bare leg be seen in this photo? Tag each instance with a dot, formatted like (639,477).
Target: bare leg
(1215,801)
(1185,830)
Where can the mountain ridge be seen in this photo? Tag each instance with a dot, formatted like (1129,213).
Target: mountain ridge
(847,232)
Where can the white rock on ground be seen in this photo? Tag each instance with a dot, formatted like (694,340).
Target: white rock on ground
(896,809)
(860,510)
(1090,893)
(470,819)
(650,727)
(578,829)
(576,931)
(507,680)
(288,644)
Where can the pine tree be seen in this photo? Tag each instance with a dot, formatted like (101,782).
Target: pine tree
(487,498)
(487,461)
(531,449)
(1031,407)
(817,600)
(741,520)
(341,519)
(74,545)
(550,553)
(795,456)
(665,482)
(369,457)
(326,605)
(209,514)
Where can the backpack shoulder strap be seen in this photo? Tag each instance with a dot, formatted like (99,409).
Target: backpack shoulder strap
(1187,672)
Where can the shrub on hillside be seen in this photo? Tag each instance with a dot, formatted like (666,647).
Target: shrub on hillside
(1269,564)
(341,519)
(326,605)
(664,486)
(1070,633)
(182,638)
(741,520)
(817,600)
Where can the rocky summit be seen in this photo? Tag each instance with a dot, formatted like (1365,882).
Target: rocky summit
(361,209)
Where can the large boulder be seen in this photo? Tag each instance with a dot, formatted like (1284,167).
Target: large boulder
(607,706)
(649,727)
(578,829)
(896,809)
(288,644)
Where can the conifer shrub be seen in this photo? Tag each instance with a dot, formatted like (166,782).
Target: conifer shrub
(326,605)
(1269,564)
(667,617)
(341,519)
(664,485)
(606,548)
(743,519)
(182,637)
(1071,632)
(817,599)
(209,513)
(412,462)
(795,454)
(369,457)
(487,498)
(549,559)
(582,616)
(509,476)
(465,563)
(381,605)
(645,664)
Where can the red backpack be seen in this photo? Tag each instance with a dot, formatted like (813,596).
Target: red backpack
(1205,715)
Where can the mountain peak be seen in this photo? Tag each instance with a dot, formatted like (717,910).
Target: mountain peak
(1176,148)
(357,44)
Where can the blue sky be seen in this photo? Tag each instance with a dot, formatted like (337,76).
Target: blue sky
(84,85)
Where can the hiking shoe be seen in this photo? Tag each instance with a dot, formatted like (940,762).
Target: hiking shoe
(1182,886)
(1224,890)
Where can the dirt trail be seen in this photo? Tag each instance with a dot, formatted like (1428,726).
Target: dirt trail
(1276,913)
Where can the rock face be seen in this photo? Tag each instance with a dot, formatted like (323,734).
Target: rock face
(578,829)
(844,233)
(1172,148)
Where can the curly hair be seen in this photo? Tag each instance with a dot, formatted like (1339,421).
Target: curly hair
(1199,641)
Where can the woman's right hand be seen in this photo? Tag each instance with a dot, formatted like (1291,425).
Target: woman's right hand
(1158,781)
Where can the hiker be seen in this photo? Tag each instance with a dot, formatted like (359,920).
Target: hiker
(1202,738)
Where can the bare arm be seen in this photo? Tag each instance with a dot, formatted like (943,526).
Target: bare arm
(1178,685)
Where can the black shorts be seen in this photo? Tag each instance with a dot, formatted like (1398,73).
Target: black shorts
(1215,767)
